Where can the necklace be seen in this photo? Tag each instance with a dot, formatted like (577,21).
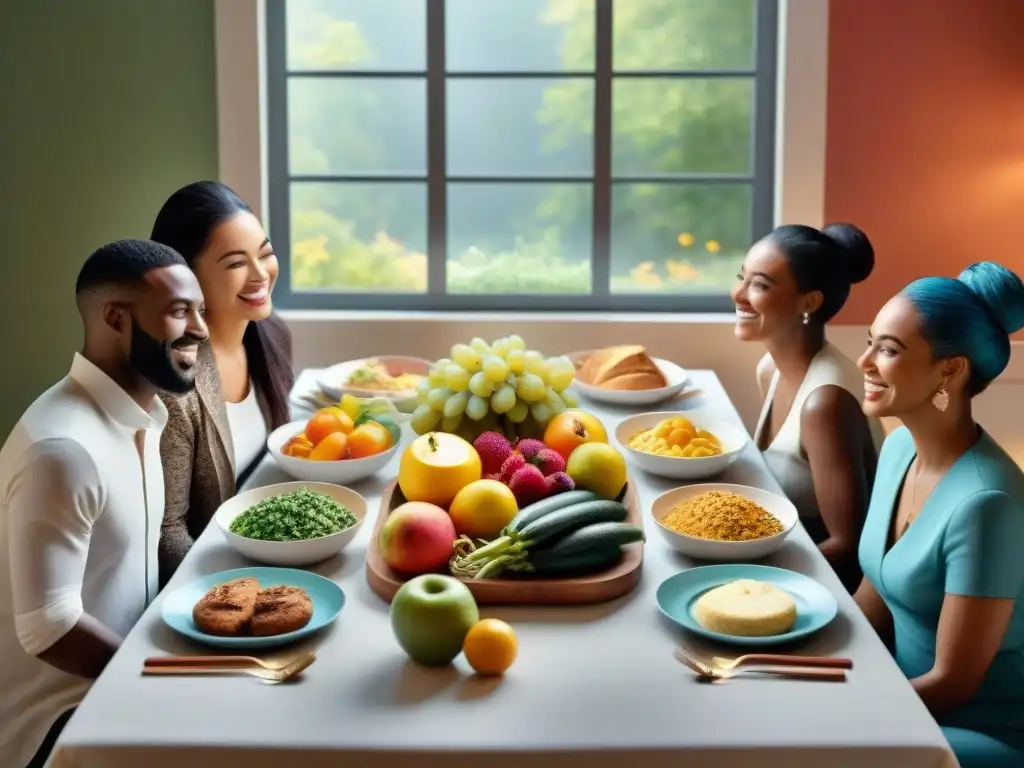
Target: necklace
(913,498)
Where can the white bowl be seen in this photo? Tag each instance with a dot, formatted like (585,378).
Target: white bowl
(291,553)
(337,472)
(332,380)
(728,551)
(677,379)
(733,438)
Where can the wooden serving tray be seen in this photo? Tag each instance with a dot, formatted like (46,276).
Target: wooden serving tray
(594,588)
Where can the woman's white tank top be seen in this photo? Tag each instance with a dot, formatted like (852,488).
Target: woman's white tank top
(785,456)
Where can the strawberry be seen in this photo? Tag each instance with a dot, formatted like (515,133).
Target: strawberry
(515,461)
(494,448)
(530,447)
(559,482)
(548,461)
(528,485)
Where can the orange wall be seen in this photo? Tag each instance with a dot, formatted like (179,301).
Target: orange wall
(925,146)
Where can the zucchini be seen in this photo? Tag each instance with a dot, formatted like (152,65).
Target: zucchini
(561,521)
(538,509)
(545,562)
(512,551)
(592,538)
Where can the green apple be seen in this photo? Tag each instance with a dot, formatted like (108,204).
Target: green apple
(430,616)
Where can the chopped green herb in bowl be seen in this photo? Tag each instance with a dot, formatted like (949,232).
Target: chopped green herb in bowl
(297,515)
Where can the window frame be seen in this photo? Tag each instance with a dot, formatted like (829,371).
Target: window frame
(436,179)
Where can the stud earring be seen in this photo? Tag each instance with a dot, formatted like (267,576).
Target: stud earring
(807,318)
(940,400)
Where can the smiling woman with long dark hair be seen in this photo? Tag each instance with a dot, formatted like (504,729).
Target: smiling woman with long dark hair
(217,434)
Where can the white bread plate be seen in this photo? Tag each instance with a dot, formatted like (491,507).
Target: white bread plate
(677,379)
(333,381)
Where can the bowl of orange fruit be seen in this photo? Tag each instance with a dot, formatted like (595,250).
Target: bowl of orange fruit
(332,446)
(682,445)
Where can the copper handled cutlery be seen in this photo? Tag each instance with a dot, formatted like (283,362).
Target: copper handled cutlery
(227,665)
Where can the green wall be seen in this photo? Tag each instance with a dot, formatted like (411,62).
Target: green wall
(106,107)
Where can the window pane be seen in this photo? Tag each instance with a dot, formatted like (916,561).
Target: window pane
(356,34)
(359,237)
(357,126)
(520,127)
(684,34)
(665,125)
(678,238)
(519,238)
(519,35)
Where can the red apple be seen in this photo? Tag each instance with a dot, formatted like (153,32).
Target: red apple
(416,538)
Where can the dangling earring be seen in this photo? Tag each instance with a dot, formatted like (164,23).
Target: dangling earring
(940,400)
(807,318)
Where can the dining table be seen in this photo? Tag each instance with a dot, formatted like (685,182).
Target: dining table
(592,686)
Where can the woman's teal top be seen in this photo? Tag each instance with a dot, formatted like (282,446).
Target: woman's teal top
(968,539)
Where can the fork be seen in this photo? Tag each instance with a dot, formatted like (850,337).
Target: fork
(774,659)
(226,665)
(796,673)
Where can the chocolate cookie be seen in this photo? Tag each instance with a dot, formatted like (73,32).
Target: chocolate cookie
(227,608)
(279,610)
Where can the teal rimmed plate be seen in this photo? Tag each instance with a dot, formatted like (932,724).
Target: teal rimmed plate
(327,597)
(815,605)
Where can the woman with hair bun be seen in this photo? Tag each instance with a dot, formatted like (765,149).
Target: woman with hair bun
(815,438)
(941,549)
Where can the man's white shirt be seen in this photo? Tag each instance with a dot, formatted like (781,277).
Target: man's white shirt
(81,503)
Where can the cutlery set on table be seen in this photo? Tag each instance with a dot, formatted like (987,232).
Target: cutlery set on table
(765,665)
(228,665)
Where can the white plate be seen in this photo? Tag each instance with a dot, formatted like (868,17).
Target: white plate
(336,472)
(732,437)
(291,553)
(676,377)
(332,380)
(727,551)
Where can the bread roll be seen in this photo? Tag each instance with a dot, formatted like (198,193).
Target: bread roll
(746,608)
(626,367)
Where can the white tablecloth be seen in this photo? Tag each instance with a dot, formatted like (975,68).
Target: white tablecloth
(594,686)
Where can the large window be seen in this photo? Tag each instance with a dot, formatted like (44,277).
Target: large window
(518,154)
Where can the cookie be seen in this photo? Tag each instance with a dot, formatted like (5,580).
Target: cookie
(279,610)
(227,608)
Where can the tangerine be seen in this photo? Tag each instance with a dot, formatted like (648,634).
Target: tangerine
(490,647)
(298,447)
(327,421)
(334,447)
(571,429)
(368,439)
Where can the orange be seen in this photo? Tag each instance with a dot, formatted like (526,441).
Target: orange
(334,447)
(571,429)
(368,439)
(490,646)
(327,421)
(299,447)
(482,509)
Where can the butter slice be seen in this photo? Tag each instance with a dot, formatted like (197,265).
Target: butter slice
(746,608)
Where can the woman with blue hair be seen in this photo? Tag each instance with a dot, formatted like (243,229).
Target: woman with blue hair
(941,549)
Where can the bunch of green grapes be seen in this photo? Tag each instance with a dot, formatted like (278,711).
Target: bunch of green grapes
(493,386)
